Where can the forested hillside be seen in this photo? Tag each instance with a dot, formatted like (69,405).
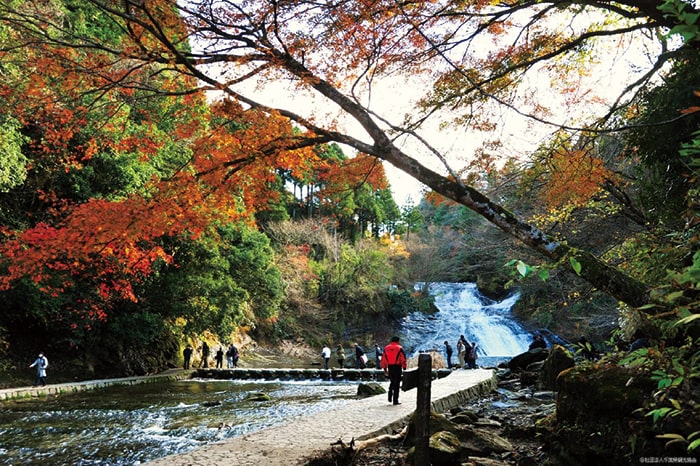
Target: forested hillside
(171,171)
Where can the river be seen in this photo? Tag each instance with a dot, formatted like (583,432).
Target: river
(123,425)
(129,425)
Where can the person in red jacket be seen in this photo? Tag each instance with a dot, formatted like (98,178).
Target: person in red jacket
(393,363)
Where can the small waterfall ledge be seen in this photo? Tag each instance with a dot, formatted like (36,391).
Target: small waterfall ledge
(463,310)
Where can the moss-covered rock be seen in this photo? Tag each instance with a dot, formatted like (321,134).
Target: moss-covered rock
(483,442)
(464,417)
(597,421)
(558,360)
(445,449)
(370,389)
(438,423)
(257,397)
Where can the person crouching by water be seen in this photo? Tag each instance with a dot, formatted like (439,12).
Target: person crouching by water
(41,364)
(393,363)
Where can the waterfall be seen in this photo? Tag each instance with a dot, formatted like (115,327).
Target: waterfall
(465,311)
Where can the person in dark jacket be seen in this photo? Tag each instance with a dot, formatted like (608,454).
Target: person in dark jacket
(538,342)
(219,358)
(472,355)
(205,355)
(187,356)
(448,352)
(377,355)
(360,357)
(394,363)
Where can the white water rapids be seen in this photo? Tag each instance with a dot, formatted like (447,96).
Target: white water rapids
(465,311)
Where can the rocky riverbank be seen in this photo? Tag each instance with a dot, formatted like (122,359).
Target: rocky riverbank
(496,430)
(597,417)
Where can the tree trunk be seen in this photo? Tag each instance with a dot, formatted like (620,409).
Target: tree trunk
(604,277)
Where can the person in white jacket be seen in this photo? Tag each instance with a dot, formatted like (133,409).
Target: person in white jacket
(41,364)
(326,355)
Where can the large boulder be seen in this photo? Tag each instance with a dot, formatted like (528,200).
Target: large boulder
(484,442)
(438,423)
(464,416)
(522,360)
(601,404)
(558,360)
(445,449)
(370,389)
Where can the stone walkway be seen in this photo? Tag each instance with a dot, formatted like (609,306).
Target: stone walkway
(294,442)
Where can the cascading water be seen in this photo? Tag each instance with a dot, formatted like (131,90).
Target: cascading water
(465,311)
(130,425)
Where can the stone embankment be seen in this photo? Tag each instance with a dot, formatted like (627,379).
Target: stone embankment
(299,439)
(74,387)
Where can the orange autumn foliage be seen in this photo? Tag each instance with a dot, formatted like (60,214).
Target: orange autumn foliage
(575,177)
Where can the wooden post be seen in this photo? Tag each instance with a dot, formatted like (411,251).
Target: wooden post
(422,418)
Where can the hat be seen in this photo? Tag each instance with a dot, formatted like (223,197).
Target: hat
(394,338)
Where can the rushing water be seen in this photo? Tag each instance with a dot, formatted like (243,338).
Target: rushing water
(465,311)
(130,425)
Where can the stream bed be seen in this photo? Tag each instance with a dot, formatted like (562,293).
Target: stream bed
(130,425)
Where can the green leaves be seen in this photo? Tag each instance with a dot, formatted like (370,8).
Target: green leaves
(688,28)
(13,163)
(575,265)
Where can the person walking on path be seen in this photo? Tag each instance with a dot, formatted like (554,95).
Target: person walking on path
(187,356)
(41,364)
(394,363)
(473,354)
(377,355)
(205,355)
(360,357)
(462,351)
(340,354)
(448,352)
(326,355)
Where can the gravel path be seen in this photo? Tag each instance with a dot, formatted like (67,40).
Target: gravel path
(293,442)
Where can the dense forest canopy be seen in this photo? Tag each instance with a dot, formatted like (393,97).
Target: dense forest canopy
(116,89)
(337,51)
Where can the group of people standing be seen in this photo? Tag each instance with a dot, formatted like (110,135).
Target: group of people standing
(232,356)
(467,354)
(361,358)
(392,359)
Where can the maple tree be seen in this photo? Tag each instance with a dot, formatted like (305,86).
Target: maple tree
(97,174)
(474,54)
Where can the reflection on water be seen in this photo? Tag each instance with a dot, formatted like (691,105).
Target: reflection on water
(131,425)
